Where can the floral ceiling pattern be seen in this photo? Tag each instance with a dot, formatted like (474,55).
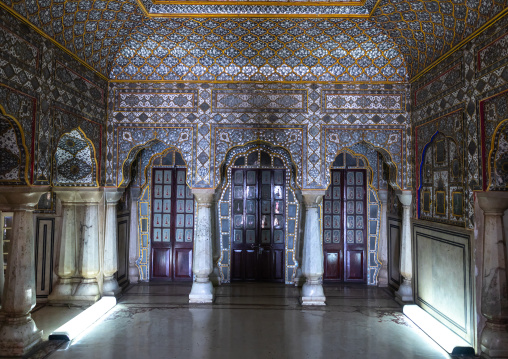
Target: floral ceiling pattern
(387,40)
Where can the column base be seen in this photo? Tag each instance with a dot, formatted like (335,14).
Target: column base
(382,277)
(133,274)
(18,336)
(110,287)
(312,294)
(87,292)
(201,293)
(494,341)
(62,291)
(405,293)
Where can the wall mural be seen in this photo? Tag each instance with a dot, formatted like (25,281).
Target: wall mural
(75,161)
(440,168)
(48,92)
(473,80)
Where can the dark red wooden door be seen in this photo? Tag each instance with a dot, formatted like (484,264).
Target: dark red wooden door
(172,225)
(344,227)
(258,225)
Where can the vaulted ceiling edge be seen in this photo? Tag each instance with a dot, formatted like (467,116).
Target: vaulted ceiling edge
(392,41)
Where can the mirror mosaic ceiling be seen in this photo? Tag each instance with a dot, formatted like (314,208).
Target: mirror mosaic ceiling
(387,40)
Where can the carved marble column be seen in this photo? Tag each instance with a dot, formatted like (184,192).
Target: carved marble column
(67,253)
(87,291)
(312,256)
(110,286)
(202,266)
(133,236)
(494,305)
(18,332)
(382,278)
(78,264)
(405,293)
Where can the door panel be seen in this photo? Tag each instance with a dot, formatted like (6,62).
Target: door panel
(183,263)
(160,262)
(345,226)
(172,224)
(258,224)
(354,267)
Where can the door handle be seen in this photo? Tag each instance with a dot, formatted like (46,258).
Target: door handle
(254,246)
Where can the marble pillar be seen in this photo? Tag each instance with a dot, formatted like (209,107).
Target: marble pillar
(382,254)
(133,236)
(79,248)
(18,332)
(202,265)
(67,255)
(494,300)
(312,256)
(110,285)
(405,293)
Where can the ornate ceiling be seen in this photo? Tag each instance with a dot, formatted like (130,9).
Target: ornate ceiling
(385,40)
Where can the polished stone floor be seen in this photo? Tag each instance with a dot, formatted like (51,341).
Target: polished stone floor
(253,320)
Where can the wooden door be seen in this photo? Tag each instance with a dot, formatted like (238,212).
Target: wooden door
(172,225)
(258,225)
(344,227)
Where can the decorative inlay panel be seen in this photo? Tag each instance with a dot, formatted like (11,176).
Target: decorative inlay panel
(446,81)
(267,101)
(334,101)
(156,100)
(493,55)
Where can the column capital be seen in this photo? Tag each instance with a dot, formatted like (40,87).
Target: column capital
(113,195)
(383,196)
(312,197)
(405,197)
(203,196)
(20,198)
(78,196)
(493,202)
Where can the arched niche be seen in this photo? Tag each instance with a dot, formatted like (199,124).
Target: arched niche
(498,159)
(161,155)
(13,151)
(258,155)
(131,141)
(390,143)
(441,181)
(74,161)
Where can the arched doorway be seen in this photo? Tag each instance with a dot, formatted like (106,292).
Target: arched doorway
(345,221)
(258,216)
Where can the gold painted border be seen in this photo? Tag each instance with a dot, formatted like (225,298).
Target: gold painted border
(280,16)
(423,202)
(492,143)
(444,194)
(263,82)
(462,205)
(257,2)
(450,52)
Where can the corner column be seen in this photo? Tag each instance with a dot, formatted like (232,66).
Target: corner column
(133,236)
(110,286)
(18,332)
(382,278)
(202,266)
(405,293)
(312,258)
(494,307)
